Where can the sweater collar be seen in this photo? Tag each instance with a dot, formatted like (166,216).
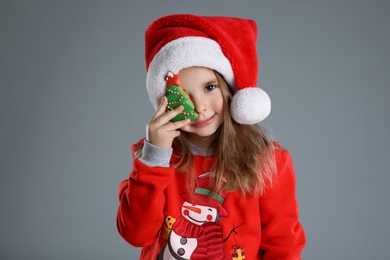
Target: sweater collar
(196,150)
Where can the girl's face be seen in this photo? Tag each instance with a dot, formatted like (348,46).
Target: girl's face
(201,85)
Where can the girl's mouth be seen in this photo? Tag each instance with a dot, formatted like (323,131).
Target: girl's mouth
(204,122)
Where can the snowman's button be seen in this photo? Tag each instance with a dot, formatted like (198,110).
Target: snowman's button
(183,240)
(181,251)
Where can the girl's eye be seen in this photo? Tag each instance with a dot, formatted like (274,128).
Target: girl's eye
(210,87)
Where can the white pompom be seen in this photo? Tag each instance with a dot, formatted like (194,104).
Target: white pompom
(250,106)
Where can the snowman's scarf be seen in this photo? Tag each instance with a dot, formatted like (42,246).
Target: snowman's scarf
(208,235)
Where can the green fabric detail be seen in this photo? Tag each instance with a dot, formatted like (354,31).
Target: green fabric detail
(208,193)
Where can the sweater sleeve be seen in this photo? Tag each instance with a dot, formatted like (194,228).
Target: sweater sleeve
(282,234)
(155,156)
(141,203)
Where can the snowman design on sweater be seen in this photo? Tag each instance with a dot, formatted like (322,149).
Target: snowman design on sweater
(196,234)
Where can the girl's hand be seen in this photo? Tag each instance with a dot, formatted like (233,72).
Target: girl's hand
(160,131)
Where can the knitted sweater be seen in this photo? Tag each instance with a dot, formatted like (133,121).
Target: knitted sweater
(151,216)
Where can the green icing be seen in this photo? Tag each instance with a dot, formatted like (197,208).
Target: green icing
(177,96)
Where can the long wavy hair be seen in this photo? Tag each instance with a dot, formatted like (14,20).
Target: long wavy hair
(244,154)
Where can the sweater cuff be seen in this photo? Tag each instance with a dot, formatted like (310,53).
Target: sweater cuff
(154,156)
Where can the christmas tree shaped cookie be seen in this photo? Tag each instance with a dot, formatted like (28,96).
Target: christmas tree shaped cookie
(178,97)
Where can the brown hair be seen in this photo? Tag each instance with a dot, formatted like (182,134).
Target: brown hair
(244,153)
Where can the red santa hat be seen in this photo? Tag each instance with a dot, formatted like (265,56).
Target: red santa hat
(223,44)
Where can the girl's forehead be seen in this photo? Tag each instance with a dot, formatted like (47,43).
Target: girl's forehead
(196,75)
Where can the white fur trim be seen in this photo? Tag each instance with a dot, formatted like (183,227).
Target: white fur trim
(250,106)
(184,53)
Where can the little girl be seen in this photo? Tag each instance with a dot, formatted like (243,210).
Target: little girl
(215,187)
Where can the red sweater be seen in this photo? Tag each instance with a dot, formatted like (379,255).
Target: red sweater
(265,227)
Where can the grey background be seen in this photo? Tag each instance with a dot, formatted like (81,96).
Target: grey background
(73,99)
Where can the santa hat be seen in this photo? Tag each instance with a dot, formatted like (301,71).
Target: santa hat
(223,44)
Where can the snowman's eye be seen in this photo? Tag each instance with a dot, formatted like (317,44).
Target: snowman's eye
(210,209)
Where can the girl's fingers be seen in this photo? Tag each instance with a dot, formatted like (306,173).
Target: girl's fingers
(174,112)
(161,108)
(173,126)
(181,123)
(164,118)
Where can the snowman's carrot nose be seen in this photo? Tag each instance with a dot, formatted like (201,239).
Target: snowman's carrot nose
(194,209)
